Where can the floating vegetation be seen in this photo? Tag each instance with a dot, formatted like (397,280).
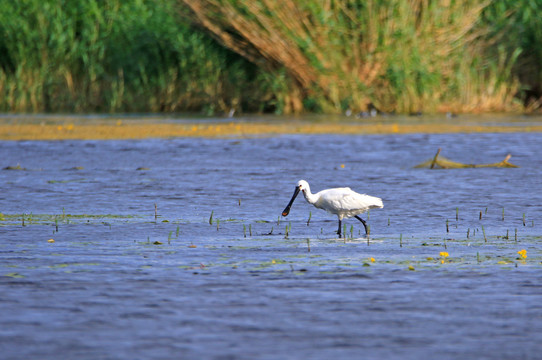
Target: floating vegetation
(16,167)
(440,162)
(66,181)
(14,275)
(56,219)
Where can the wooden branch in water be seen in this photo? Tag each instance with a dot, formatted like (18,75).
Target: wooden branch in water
(435,158)
(440,162)
(504,163)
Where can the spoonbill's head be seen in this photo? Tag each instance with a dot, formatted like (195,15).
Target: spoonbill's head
(302,185)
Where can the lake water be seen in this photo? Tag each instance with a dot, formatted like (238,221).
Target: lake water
(136,270)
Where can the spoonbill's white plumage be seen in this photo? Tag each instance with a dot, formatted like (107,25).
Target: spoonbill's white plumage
(343,202)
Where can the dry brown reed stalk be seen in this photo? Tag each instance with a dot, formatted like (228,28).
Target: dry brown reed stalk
(257,37)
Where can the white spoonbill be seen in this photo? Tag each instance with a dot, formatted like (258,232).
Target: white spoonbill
(343,202)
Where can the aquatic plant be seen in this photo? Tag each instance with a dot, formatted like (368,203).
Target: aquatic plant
(522,254)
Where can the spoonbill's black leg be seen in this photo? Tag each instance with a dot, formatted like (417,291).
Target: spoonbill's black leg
(339,231)
(363,222)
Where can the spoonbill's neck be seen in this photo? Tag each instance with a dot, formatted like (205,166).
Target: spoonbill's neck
(310,197)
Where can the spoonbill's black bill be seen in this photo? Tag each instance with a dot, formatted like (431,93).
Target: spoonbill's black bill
(343,202)
(287,208)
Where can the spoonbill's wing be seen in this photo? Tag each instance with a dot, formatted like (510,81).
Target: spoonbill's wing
(346,202)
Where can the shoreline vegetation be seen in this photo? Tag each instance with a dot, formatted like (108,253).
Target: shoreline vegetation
(119,129)
(265,56)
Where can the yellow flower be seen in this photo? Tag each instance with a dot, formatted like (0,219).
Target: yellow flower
(51,240)
(444,254)
(342,166)
(373,259)
(523,254)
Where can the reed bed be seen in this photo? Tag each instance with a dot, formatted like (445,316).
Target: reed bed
(112,56)
(400,56)
(225,56)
